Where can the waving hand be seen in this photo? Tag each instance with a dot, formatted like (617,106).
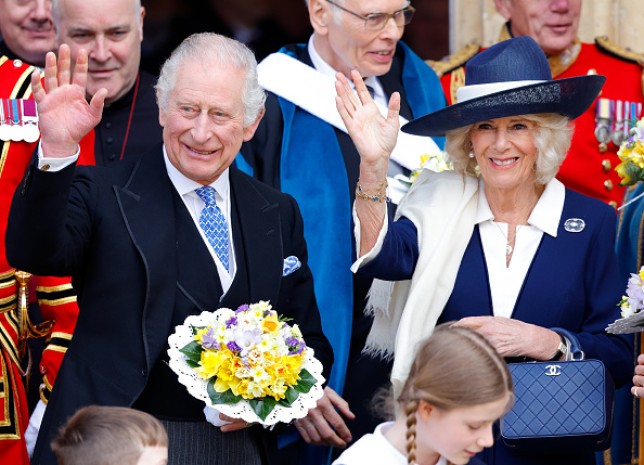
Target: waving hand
(373,135)
(65,116)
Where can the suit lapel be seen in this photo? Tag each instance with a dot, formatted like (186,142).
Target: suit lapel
(147,210)
(261,238)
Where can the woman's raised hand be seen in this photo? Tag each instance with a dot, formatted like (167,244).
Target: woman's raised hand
(65,116)
(373,135)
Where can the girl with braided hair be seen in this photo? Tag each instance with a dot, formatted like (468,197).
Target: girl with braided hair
(457,388)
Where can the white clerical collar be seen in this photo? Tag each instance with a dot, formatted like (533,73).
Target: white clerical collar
(184,185)
(324,68)
(545,215)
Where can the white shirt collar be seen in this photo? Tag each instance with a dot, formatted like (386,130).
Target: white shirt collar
(546,214)
(324,68)
(184,186)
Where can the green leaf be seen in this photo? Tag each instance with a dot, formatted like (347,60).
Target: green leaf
(306,382)
(634,172)
(192,350)
(192,364)
(226,397)
(263,407)
(290,396)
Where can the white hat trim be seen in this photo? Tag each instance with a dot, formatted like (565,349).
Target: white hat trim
(465,93)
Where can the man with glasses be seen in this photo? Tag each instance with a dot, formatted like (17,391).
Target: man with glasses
(302,147)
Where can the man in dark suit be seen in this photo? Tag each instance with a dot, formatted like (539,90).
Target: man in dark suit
(131,237)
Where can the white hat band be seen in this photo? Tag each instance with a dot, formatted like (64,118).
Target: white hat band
(466,93)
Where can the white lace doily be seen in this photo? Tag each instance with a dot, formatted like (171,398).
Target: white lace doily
(632,324)
(197,387)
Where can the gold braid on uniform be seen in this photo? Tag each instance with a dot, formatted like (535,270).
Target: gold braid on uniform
(455,60)
(410,412)
(609,47)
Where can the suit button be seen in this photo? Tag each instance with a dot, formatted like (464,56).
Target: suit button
(608,185)
(607,165)
(144,372)
(109,140)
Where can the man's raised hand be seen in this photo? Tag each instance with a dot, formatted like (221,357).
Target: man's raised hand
(65,116)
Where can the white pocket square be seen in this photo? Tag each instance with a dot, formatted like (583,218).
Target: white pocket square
(291,264)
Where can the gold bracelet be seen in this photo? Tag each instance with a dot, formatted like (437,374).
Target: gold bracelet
(379,196)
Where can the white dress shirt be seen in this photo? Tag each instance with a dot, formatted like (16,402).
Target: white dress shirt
(186,189)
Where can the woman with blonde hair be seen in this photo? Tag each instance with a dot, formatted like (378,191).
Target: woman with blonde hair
(458,386)
(498,244)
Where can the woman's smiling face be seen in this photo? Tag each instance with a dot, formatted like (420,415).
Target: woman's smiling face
(506,151)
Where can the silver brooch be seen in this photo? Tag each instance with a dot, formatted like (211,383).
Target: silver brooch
(574,225)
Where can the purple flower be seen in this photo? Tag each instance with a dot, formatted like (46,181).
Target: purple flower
(295,346)
(232,345)
(208,340)
(231,322)
(635,293)
(242,308)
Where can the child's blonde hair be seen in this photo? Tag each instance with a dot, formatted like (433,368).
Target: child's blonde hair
(442,374)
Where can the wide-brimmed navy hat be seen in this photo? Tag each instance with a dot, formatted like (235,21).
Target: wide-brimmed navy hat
(508,79)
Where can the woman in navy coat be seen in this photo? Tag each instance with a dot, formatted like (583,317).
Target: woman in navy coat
(498,244)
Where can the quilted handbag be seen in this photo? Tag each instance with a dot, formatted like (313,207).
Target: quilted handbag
(560,405)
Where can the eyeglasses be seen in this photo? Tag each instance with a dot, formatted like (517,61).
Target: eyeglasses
(377,21)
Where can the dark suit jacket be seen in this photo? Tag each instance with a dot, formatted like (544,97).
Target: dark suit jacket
(114,230)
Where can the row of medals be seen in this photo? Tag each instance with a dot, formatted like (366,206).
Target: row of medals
(18,120)
(614,120)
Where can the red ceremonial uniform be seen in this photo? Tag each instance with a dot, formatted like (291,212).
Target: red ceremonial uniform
(15,155)
(590,164)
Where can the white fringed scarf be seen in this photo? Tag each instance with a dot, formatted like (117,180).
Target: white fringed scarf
(443,208)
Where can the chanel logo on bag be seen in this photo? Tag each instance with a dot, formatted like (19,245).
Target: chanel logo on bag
(553,370)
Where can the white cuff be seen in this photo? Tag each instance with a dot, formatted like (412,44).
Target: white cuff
(31,435)
(373,253)
(212,416)
(55,164)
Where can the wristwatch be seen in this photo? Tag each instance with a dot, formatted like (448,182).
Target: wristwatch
(562,350)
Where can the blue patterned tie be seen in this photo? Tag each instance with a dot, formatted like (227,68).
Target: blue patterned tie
(214,225)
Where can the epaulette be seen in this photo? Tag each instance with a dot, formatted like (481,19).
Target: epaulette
(455,60)
(611,48)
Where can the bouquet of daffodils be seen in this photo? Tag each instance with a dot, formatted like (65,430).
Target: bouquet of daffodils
(632,303)
(631,156)
(247,363)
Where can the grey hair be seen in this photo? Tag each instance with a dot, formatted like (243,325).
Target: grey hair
(552,139)
(208,46)
(56,16)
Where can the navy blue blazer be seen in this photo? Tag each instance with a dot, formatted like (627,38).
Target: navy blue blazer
(573,282)
(114,231)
